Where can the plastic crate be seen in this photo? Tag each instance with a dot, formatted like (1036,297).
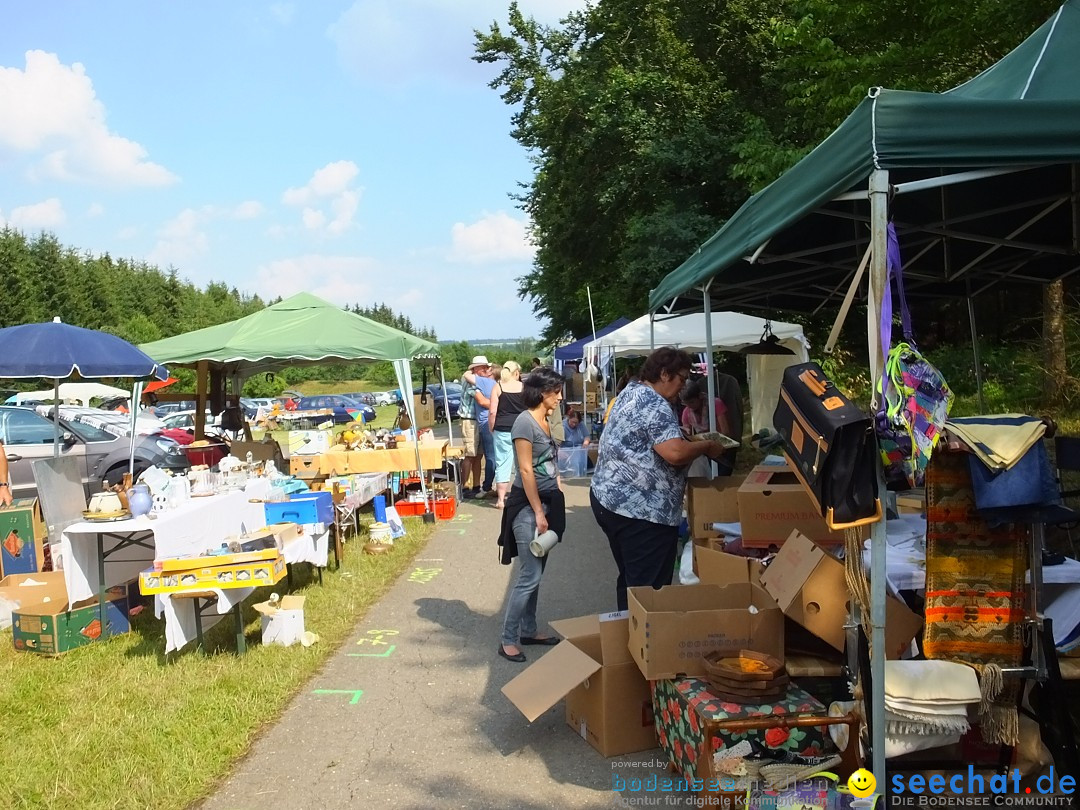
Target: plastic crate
(299,511)
(409,508)
(445,508)
(324,504)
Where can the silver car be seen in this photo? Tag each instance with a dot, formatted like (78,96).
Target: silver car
(28,436)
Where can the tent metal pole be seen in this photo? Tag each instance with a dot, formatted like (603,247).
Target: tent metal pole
(879,215)
(652,331)
(975,349)
(710,401)
(446,405)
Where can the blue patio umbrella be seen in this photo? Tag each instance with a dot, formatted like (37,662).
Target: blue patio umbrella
(58,350)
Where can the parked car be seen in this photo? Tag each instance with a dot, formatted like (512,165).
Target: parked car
(385,398)
(345,408)
(162,409)
(453,397)
(103,455)
(185,420)
(362,396)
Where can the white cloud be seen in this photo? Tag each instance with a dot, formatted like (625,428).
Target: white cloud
(130,232)
(46,214)
(283,12)
(398,41)
(52,113)
(95,210)
(250,209)
(338,279)
(181,239)
(328,199)
(493,238)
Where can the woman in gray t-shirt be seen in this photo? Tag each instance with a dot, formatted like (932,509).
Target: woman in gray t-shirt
(535,505)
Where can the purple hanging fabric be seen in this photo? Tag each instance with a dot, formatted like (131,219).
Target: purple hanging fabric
(894,270)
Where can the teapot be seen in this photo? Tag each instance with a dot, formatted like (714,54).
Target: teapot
(105,502)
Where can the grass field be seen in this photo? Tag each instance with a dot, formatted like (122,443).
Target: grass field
(120,724)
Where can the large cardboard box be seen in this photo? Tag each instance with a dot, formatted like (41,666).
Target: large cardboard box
(54,628)
(808,583)
(607,700)
(403,457)
(282,624)
(22,538)
(673,627)
(309,442)
(33,589)
(772,503)
(711,501)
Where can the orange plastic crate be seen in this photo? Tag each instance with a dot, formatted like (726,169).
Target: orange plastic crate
(444,508)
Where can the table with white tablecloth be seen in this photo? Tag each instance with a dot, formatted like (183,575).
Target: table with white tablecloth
(186,530)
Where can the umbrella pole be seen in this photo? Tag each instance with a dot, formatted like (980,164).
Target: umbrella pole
(56,417)
(136,397)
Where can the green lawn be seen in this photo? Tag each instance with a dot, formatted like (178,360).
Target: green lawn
(119,724)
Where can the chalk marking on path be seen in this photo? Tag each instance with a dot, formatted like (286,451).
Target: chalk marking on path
(385,654)
(356,693)
(424,575)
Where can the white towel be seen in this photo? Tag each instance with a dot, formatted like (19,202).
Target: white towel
(933,682)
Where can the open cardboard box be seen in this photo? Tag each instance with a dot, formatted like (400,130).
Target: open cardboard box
(711,501)
(607,700)
(720,568)
(772,503)
(673,627)
(808,583)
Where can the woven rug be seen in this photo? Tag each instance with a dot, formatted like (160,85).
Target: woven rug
(975,591)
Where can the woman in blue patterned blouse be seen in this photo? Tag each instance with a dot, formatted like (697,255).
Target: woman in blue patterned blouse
(637,488)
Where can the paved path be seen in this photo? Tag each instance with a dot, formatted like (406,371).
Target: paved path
(431,728)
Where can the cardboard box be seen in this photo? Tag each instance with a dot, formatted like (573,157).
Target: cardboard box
(190,563)
(808,583)
(719,568)
(672,628)
(300,465)
(55,628)
(245,575)
(32,589)
(403,457)
(22,538)
(282,624)
(309,442)
(772,503)
(607,700)
(711,501)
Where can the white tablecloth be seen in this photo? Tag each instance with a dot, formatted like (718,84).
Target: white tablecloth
(200,524)
(308,548)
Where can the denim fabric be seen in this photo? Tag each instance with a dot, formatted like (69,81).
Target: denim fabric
(487,441)
(520,617)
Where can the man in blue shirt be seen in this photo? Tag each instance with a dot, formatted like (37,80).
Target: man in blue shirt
(479,375)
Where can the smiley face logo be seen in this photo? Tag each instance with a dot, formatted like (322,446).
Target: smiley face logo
(861,783)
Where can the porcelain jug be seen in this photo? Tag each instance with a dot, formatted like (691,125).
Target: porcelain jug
(140,501)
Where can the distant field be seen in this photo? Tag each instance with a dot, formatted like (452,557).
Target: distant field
(345,387)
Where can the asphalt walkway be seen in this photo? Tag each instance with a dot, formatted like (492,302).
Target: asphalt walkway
(409,712)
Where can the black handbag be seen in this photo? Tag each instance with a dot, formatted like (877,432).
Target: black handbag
(829,444)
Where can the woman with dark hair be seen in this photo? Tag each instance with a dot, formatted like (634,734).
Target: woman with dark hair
(695,418)
(637,488)
(535,505)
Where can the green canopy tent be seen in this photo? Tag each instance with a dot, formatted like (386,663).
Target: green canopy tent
(981,183)
(301,330)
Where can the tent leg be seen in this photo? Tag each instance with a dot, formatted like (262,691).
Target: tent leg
(56,417)
(446,406)
(975,348)
(710,401)
(202,371)
(879,212)
(136,398)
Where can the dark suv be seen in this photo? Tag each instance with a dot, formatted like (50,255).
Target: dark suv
(28,436)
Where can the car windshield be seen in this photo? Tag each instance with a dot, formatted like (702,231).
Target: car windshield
(87,432)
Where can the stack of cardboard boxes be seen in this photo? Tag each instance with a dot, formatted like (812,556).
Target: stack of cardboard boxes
(610,668)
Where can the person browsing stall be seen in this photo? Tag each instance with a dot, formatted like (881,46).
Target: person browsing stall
(535,505)
(479,374)
(577,435)
(507,402)
(472,472)
(637,487)
(694,417)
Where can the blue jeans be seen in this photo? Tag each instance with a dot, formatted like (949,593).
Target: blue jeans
(521,604)
(488,443)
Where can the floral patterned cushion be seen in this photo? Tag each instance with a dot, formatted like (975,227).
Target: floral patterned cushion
(685,711)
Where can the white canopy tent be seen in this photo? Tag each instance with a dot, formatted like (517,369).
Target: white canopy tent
(81,392)
(730,332)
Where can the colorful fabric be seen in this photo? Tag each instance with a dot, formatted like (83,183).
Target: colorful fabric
(686,713)
(975,586)
(631,479)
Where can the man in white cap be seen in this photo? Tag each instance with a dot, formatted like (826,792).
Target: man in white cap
(473,413)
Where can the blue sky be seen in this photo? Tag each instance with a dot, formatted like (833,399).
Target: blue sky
(350,149)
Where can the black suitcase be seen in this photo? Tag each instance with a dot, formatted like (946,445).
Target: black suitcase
(830,445)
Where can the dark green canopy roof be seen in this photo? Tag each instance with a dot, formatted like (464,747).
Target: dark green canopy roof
(983,178)
(301,329)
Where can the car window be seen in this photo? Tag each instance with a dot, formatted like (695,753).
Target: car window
(87,432)
(19,426)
